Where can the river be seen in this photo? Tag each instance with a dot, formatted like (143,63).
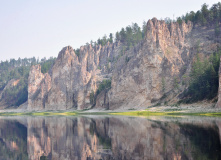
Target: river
(109,137)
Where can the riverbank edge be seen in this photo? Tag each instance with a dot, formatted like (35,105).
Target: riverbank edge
(125,113)
(196,109)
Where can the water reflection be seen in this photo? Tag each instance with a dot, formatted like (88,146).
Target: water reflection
(109,138)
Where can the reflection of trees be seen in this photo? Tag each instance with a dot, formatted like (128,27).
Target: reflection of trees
(13,140)
(107,138)
(205,141)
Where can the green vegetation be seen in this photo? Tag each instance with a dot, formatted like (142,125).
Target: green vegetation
(77,51)
(163,85)
(46,65)
(43,158)
(205,16)
(104,40)
(104,85)
(16,95)
(170,113)
(92,100)
(145,113)
(127,59)
(52,113)
(19,70)
(204,79)
(128,36)
(131,35)
(140,113)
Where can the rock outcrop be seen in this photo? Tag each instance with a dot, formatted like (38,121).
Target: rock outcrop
(141,76)
(38,86)
(218,104)
(72,78)
(139,81)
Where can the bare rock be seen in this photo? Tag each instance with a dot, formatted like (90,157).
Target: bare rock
(38,86)
(142,76)
(218,104)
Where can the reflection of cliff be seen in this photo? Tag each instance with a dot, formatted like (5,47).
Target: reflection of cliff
(119,138)
(107,138)
(13,140)
(143,139)
(61,138)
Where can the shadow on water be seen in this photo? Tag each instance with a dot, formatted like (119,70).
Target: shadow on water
(45,138)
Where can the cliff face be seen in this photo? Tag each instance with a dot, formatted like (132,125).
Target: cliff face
(158,58)
(38,86)
(218,104)
(72,78)
(141,76)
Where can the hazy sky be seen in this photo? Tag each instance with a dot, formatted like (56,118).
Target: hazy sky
(41,28)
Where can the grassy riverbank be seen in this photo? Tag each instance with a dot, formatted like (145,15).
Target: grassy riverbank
(197,109)
(148,113)
(130,113)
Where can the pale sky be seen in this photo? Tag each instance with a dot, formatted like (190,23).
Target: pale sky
(41,28)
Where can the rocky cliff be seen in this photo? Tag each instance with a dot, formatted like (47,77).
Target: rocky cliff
(71,79)
(158,58)
(218,104)
(151,72)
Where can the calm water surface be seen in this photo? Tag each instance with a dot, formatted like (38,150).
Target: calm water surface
(109,138)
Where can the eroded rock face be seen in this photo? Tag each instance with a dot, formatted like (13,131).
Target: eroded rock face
(72,78)
(141,76)
(158,58)
(218,104)
(38,86)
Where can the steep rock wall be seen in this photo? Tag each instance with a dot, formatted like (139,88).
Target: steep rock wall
(218,104)
(71,78)
(141,76)
(138,83)
(38,86)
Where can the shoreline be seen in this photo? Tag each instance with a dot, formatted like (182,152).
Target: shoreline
(195,109)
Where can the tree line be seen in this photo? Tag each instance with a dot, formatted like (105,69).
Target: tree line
(204,16)
(19,69)
(204,79)
(128,36)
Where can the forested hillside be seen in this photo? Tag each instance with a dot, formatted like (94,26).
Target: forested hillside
(18,71)
(205,16)
(204,77)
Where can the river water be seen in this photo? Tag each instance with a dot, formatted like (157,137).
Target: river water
(110,137)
